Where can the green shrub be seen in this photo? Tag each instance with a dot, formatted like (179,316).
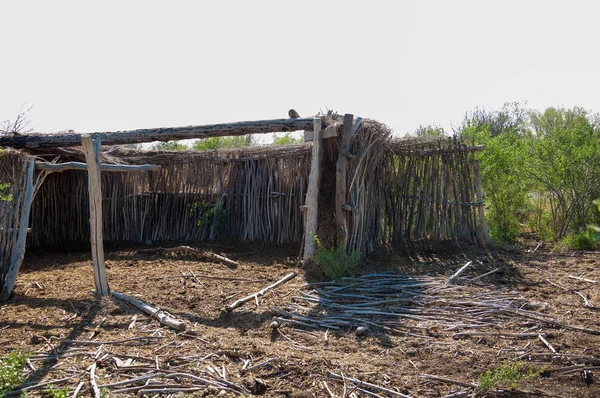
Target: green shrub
(11,371)
(57,392)
(581,241)
(286,139)
(4,195)
(506,375)
(334,263)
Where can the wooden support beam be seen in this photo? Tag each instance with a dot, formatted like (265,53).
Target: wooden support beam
(91,148)
(328,132)
(157,134)
(341,184)
(18,251)
(480,209)
(59,167)
(312,193)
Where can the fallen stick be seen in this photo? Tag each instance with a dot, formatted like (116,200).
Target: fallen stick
(20,391)
(543,340)
(223,278)
(261,364)
(482,276)
(585,300)
(170,390)
(459,272)
(369,385)
(255,296)
(582,279)
(188,249)
(496,334)
(77,389)
(369,393)
(154,312)
(133,381)
(88,342)
(446,380)
(458,394)
(327,388)
(95,388)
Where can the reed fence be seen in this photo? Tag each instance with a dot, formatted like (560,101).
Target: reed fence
(396,191)
(18,184)
(250,194)
(404,190)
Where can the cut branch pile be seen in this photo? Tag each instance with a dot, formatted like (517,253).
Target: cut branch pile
(421,306)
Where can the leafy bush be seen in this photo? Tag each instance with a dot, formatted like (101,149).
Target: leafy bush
(538,169)
(581,241)
(286,139)
(507,374)
(4,186)
(334,263)
(11,371)
(169,146)
(219,143)
(57,392)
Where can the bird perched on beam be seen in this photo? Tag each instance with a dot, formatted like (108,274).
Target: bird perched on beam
(293,114)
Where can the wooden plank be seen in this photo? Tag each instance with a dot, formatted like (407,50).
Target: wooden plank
(312,193)
(18,252)
(481,210)
(91,148)
(328,132)
(59,167)
(157,134)
(341,185)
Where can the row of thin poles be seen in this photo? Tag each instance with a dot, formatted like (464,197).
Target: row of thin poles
(241,197)
(12,172)
(398,195)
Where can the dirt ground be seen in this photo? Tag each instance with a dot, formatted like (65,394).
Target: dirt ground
(52,302)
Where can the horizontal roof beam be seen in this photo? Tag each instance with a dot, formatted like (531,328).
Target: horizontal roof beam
(59,167)
(55,140)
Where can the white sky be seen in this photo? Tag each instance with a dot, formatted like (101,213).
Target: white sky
(118,65)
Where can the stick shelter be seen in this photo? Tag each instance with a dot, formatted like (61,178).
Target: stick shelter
(350,183)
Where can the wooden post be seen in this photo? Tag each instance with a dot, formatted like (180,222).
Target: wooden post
(18,252)
(92,158)
(312,193)
(480,208)
(341,184)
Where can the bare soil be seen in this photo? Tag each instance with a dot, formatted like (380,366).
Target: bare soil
(52,302)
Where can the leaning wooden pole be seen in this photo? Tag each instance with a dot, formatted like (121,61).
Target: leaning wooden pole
(480,208)
(341,185)
(91,148)
(312,194)
(18,251)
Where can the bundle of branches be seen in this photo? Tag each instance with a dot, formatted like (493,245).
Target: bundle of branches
(416,305)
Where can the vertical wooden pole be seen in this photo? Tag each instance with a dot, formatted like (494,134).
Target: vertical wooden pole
(92,158)
(312,193)
(341,184)
(480,208)
(18,252)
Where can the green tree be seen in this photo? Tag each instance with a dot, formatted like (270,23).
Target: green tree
(429,131)
(286,139)
(220,143)
(169,146)
(564,163)
(506,191)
